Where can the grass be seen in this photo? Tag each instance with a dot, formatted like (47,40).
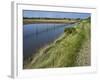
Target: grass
(65,51)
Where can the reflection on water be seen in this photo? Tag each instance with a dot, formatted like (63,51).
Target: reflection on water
(36,36)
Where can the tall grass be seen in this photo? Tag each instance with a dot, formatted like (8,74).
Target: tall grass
(64,51)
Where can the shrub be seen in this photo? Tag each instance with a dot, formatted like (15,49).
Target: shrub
(69,30)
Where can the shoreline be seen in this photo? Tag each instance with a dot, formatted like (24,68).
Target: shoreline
(34,21)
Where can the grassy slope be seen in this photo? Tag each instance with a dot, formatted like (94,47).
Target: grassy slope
(65,51)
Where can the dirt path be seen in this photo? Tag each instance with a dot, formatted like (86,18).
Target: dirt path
(84,56)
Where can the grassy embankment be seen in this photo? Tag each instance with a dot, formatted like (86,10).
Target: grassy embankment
(71,49)
(48,20)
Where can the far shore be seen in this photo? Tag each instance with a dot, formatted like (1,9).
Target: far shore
(58,21)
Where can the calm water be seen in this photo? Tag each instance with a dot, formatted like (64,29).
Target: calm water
(36,36)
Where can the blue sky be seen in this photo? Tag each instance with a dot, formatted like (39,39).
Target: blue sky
(52,14)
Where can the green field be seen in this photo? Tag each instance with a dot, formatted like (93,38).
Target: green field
(69,50)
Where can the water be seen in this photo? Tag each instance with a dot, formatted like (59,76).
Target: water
(36,36)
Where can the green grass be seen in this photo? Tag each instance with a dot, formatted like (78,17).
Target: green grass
(65,51)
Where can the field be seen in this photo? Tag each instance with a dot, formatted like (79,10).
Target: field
(69,50)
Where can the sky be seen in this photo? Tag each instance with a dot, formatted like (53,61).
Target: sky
(52,14)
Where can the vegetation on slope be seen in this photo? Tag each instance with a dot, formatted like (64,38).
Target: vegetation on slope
(65,51)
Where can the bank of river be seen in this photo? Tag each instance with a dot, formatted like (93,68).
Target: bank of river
(58,21)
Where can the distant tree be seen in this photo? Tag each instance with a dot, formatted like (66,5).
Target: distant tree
(78,19)
(89,18)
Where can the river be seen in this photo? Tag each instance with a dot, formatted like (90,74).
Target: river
(36,36)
